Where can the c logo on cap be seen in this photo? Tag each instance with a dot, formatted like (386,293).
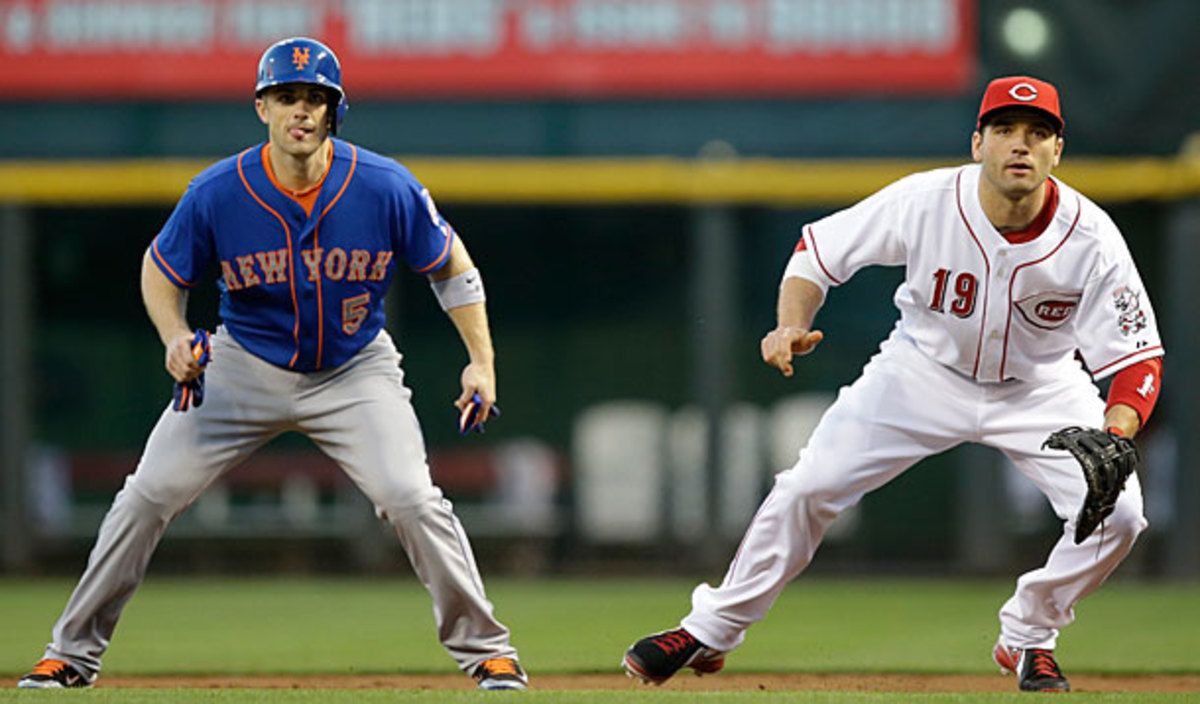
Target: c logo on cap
(1023,92)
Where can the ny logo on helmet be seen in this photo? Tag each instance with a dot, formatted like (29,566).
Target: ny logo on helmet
(300,57)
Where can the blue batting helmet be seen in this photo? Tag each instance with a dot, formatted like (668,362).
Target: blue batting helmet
(303,60)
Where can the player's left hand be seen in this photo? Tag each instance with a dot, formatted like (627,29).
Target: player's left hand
(471,418)
(1107,460)
(477,402)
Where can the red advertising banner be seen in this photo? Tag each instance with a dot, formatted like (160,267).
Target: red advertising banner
(494,48)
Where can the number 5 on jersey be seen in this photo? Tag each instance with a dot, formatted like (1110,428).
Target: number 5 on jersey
(354,312)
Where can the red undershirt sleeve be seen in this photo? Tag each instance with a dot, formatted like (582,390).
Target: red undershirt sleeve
(1137,386)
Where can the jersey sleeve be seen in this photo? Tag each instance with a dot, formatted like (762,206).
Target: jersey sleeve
(425,235)
(1116,326)
(183,249)
(864,234)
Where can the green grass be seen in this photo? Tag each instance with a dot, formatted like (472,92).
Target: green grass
(328,696)
(309,625)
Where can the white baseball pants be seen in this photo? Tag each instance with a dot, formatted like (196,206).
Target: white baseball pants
(903,408)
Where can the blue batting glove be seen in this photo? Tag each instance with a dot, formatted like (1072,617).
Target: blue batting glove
(201,348)
(191,393)
(468,418)
(188,394)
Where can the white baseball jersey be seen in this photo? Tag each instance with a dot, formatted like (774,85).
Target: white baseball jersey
(985,352)
(989,309)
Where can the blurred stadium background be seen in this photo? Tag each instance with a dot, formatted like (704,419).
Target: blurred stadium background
(631,175)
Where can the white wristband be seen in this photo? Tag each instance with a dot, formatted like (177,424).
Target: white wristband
(800,266)
(461,290)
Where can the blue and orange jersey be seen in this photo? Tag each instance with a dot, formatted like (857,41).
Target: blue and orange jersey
(303,279)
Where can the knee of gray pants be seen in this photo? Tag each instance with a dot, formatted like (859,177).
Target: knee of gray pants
(135,499)
(399,506)
(172,486)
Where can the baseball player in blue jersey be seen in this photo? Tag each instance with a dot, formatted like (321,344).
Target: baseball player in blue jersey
(306,231)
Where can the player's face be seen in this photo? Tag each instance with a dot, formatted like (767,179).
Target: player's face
(1017,149)
(296,116)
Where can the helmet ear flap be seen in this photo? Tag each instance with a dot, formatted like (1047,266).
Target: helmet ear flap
(333,102)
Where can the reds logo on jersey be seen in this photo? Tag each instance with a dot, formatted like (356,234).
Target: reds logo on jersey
(1048,310)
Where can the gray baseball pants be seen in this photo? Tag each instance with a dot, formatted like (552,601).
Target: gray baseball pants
(360,415)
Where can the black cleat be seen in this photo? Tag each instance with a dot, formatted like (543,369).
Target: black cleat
(1036,667)
(656,657)
(55,674)
(500,673)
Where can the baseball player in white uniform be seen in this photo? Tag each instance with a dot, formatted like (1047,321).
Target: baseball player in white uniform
(1019,293)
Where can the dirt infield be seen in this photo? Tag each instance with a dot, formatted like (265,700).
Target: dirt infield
(723,682)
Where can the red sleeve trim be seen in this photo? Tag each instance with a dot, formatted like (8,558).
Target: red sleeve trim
(1137,386)
(817,254)
(1156,351)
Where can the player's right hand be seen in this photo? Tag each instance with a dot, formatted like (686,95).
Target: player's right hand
(182,363)
(783,343)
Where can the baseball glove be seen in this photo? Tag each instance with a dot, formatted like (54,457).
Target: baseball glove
(1107,460)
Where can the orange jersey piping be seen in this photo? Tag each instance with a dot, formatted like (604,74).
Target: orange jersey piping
(441,257)
(167,267)
(317,243)
(307,198)
(291,272)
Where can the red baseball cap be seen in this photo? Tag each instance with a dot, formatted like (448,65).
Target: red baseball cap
(1022,92)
